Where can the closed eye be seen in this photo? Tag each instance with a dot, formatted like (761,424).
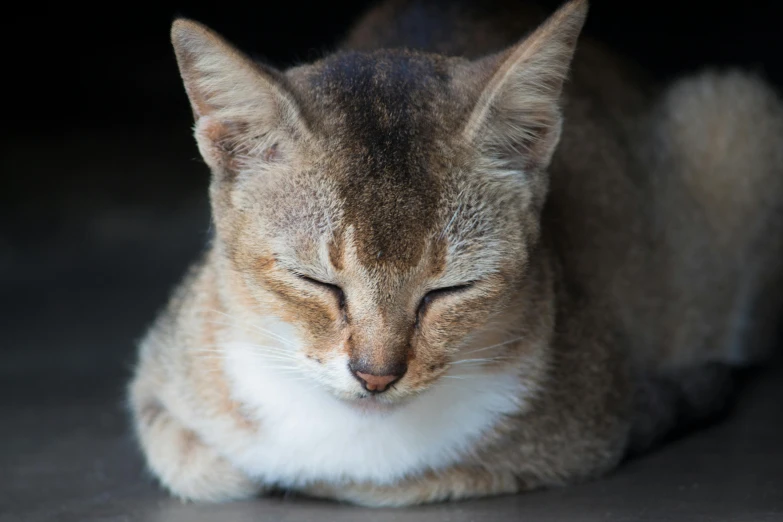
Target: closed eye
(432,295)
(336,290)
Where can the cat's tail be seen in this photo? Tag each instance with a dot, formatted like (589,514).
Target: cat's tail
(720,136)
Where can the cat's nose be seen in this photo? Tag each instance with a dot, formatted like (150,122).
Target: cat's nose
(378,383)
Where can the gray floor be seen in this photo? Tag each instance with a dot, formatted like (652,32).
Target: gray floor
(75,301)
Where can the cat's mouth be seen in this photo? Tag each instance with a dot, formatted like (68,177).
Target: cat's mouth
(373,404)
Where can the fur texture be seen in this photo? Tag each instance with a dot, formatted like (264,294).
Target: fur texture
(555,263)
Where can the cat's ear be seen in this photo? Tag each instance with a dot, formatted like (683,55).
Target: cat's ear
(517,117)
(240,107)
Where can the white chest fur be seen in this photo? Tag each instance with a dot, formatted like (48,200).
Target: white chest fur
(308,434)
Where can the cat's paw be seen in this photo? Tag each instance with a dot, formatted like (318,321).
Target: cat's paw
(185,466)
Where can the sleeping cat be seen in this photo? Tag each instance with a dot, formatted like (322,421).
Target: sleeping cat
(447,265)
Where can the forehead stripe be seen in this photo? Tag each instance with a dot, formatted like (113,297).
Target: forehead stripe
(389,189)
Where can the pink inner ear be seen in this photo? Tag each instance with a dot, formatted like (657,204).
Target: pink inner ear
(218,145)
(225,146)
(212,129)
(270,153)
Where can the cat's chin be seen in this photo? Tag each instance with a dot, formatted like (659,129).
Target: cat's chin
(373,405)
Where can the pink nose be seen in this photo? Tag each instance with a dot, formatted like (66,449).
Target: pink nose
(376,383)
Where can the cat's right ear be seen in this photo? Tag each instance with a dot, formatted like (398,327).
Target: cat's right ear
(241,107)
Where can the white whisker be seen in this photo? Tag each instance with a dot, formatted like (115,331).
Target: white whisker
(254,327)
(479,361)
(510,341)
(450,222)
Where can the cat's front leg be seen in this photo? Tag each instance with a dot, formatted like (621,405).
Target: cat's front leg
(456,483)
(183,464)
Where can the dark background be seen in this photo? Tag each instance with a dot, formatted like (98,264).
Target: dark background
(103,205)
(87,68)
(102,195)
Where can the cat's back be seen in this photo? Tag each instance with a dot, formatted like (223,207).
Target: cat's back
(473,29)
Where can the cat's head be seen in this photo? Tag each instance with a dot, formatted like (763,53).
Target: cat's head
(384,206)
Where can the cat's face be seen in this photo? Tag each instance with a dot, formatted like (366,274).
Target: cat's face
(384,280)
(382,207)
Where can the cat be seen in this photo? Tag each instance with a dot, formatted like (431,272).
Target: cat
(447,265)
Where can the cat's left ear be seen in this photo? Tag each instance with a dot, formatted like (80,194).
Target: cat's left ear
(234,99)
(517,118)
